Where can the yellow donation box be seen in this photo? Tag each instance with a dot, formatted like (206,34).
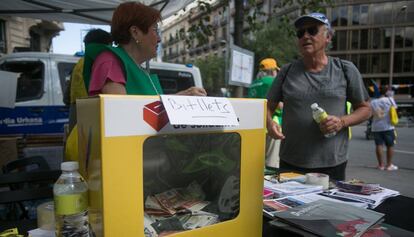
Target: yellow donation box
(149,178)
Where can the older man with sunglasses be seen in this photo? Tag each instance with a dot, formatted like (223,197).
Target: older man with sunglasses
(316,78)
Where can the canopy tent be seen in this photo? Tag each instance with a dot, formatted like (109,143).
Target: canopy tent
(80,11)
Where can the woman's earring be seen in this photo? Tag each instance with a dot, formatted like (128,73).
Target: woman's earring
(137,41)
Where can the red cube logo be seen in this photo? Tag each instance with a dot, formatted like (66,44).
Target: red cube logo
(155,115)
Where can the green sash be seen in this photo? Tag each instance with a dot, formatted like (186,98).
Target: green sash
(138,82)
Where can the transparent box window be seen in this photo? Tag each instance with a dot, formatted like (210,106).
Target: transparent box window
(190,181)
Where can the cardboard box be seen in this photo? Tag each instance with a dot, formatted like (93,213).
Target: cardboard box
(129,156)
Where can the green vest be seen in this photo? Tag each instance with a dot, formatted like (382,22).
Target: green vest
(138,82)
(260,87)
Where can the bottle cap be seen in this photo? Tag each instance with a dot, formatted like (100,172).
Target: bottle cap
(314,105)
(69,166)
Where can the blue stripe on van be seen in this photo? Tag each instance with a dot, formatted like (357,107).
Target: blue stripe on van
(33,120)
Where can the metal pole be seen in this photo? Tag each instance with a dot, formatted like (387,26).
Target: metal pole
(392,56)
(227,55)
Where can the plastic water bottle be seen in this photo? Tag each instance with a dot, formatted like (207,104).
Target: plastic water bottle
(71,202)
(319,115)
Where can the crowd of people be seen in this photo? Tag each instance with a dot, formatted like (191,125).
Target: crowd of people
(298,143)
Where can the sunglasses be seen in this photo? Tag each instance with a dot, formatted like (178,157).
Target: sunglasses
(311,30)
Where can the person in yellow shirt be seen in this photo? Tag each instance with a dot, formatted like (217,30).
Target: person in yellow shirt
(77,89)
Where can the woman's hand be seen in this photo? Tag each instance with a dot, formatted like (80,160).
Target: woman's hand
(196,91)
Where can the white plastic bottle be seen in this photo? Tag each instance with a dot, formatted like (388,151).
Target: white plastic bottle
(319,115)
(71,202)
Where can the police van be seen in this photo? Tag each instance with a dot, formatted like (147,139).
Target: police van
(39,107)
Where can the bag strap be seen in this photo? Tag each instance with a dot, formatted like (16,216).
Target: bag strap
(284,78)
(346,101)
(345,74)
(347,81)
(392,103)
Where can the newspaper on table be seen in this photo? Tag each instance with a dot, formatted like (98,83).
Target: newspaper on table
(291,188)
(373,200)
(271,206)
(327,218)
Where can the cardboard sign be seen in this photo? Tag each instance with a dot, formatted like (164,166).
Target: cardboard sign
(199,110)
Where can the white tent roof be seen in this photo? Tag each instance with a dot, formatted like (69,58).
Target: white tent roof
(80,11)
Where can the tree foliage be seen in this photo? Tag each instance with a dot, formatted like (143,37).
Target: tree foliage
(273,40)
(212,71)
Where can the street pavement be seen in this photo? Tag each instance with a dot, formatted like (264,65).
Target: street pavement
(362,163)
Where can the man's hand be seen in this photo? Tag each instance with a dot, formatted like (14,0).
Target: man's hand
(274,130)
(332,124)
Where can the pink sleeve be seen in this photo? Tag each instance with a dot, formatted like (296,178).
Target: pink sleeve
(105,67)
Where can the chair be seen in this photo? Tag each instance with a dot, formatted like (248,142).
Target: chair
(33,163)
(26,179)
(26,163)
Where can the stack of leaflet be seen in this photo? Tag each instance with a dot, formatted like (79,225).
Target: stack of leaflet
(373,200)
(356,186)
(291,188)
(292,176)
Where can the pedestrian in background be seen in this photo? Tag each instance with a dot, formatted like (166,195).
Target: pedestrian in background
(383,130)
(316,78)
(76,89)
(268,69)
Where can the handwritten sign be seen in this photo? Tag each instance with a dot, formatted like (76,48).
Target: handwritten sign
(199,110)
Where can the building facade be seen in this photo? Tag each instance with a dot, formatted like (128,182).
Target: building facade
(377,36)
(24,34)
(175,49)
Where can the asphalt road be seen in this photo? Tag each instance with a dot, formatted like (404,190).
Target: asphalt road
(362,162)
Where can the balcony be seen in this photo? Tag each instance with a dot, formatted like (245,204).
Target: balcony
(172,41)
(223,21)
(198,50)
(206,47)
(183,51)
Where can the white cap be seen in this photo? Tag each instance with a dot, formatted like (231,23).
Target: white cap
(314,106)
(69,166)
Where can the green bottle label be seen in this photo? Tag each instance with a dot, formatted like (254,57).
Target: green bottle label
(321,117)
(71,204)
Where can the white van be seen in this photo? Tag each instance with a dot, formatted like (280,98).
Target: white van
(40,88)
(176,77)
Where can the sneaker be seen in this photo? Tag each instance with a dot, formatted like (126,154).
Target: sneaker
(392,167)
(381,167)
